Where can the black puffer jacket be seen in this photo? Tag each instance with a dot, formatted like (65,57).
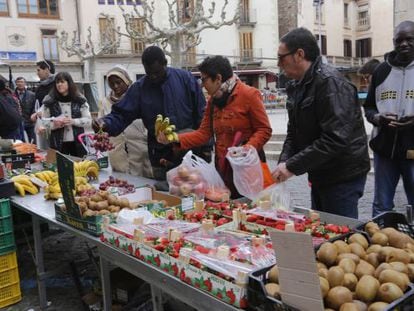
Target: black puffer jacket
(326,136)
(44,88)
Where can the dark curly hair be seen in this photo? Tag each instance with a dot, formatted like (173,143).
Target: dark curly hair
(214,65)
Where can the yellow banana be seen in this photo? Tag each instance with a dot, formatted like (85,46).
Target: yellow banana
(93,164)
(19,189)
(92,172)
(31,190)
(174,137)
(158,122)
(23,181)
(164,124)
(169,129)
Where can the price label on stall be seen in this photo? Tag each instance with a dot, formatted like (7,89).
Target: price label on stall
(298,276)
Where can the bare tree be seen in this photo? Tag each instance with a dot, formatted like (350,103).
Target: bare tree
(109,41)
(187,19)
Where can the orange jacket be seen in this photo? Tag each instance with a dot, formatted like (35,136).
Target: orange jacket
(244,112)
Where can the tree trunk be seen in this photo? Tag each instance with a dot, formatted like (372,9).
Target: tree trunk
(176,56)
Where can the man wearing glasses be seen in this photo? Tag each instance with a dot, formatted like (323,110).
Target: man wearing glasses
(326,137)
(171,92)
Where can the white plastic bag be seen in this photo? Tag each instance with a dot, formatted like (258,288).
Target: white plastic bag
(247,170)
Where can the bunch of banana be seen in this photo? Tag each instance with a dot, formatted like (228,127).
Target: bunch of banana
(86,168)
(163,125)
(81,184)
(23,184)
(53,192)
(48,177)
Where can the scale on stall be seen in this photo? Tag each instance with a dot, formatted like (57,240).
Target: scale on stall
(6,185)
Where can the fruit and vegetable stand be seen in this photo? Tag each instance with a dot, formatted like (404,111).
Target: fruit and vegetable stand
(42,210)
(174,255)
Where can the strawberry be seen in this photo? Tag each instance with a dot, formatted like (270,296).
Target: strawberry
(222,221)
(261,222)
(231,296)
(280,227)
(208,284)
(251,218)
(159,247)
(202,249)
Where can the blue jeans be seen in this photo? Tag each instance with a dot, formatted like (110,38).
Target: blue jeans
(387,175)
(340,199)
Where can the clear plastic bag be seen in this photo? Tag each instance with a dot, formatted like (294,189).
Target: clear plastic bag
(277,195)
(247,170)
(195,175)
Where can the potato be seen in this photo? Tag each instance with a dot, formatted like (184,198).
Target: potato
(273,290)
(358,238)
(104,212)
(96,198)
(327,254)
(123,202)
(114,208)
(102,205)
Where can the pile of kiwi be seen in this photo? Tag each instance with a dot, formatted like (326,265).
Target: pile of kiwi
(360,273)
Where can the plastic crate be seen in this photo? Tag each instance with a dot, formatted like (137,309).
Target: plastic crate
(257,296)
(7,244)
(5,208)
(10,295)
(9,280)
(392,219)
(8,261)
(9,277)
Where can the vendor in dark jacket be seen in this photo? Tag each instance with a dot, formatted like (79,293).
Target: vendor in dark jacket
(27,102)
(171,92)
(390,108)
(10,118)
(326,136)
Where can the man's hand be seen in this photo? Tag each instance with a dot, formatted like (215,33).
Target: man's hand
(384,119)
(58,122)
(404,122)
(281,173)
(98,125)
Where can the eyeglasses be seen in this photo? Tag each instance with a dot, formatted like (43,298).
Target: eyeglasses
(280,57)
(202,80)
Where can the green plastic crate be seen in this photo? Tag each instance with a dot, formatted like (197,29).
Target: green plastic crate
(6,224)
(5,208)
(7,242)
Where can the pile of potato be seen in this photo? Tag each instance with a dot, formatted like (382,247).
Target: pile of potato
(358,275)
(101,203)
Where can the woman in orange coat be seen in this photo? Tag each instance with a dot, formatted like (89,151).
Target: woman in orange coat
(235,115)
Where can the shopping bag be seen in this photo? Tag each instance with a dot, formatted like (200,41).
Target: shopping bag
(247,170)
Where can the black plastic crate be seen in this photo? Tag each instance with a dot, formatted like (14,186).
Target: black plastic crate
(257,296)
(392,219)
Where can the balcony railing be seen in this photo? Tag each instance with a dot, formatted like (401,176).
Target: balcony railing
(364,23)
(248,56)
(348,62)
(247,17)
